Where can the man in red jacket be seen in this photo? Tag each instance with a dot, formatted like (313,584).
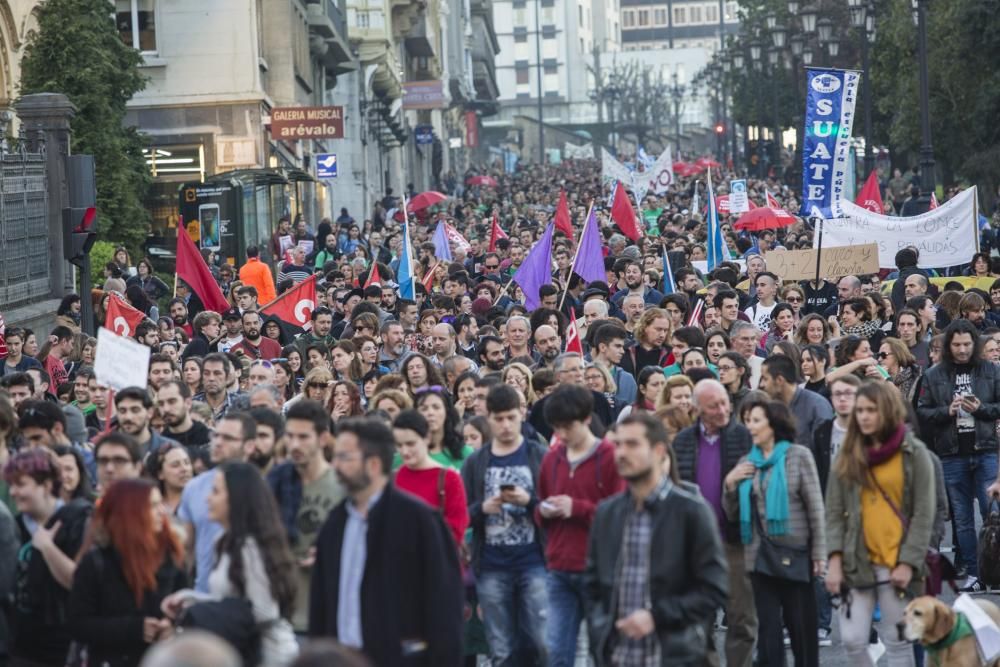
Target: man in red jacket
(577,473)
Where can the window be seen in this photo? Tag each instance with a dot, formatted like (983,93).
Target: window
(550,49)
(695,14)
(731,11)
(548,15)
(580,8)
(520,17)
(660,17)
(551,80)
(136,21)
(523,75)
(521,50)
(582,49)
(628,18)
(643,17)
(520,38)
(680,15)
(711,13)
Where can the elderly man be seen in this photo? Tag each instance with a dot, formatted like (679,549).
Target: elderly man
(518,331)
(706,452)
(569,368)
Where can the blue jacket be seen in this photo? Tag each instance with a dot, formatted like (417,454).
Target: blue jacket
(286,485)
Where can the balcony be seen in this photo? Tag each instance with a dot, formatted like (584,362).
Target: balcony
(328,22)
(484,50)
(369,33)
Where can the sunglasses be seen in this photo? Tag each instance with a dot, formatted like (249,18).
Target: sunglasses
(883,355)
(262,362)
(316,385)
(794,299)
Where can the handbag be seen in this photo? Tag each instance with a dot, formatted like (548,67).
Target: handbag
(230,618)
(939,568)
(989,547)
(780,561)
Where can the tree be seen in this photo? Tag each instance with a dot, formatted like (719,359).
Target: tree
(77,51)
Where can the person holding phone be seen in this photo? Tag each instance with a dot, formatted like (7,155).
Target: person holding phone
(960,400)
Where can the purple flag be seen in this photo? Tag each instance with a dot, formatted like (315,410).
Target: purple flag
(536,269)
(441,248)
(589,256)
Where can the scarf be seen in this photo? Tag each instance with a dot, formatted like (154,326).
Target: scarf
(887,449)
(961,630)
(865,330)
(775,497)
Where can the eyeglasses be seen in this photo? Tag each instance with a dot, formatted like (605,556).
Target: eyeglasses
(726,367)
(316,385)
(492,266)
(883,355)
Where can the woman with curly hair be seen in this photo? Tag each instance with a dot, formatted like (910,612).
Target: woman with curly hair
(345,400)
(518,375)
(131,562)
(253,560)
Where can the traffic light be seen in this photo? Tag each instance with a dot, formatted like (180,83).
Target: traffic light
(79,232)
(80,217)
(720,128)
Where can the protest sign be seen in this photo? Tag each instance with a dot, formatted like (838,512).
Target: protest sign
(945,236)
(120,362)
(830,98)
(739,202)
(852,260)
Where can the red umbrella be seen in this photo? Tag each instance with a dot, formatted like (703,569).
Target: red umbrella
(681,166)
(763,218)
(487,181)
(426,200)
(706,162)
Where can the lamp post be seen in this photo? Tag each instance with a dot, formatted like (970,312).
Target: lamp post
(677,92)
(538,63)
(861,17)
(926,150)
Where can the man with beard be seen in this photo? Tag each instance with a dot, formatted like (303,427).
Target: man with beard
(233,322)
(270,431)
(548,345)
(635,285)
(305,488)
(84,388)
(393,351)
(214,379)
(148,334)
(253,345)
(443,336)
(656,542)
(491,354)
(468,331)
(322,322)
(133,406)
(161,369)
(174,403)
(420,615)
(650,337)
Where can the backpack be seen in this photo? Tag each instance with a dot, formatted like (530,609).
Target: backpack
(989,547)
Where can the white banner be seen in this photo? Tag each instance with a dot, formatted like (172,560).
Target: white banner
(613,170)
(573,152)
(945,236)
(120,362)
(661,174)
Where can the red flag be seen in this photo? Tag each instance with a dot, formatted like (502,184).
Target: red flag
(771,201)
(573,343)
(191,268)
(295,306)
(623,214)
(562,221)
(373,277)
(428,279)
(870,196)
(934,203)
(496,233)
(695,319)
(122,318)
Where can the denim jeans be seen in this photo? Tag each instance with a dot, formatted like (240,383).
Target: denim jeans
(514,603)
(823,607)
(565,615)
(966,479)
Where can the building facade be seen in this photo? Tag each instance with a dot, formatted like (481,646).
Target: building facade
(672,24)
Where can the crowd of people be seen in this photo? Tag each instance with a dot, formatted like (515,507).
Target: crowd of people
(731,459)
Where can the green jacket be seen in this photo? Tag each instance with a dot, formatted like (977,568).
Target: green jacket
(844,533)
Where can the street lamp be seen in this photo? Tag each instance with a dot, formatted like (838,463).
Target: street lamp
(824,27)
(755,52)
(833,47)
(807,57)
(808,16)
(677,91)
(793,7)
(796,42)
(857,9)
(926,150)
(738,60)
(778,35)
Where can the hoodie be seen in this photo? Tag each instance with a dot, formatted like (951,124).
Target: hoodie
(589,481)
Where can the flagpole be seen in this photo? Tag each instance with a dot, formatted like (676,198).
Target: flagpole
(504,290)
(572,266)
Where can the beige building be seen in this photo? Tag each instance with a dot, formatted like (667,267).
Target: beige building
(17,21)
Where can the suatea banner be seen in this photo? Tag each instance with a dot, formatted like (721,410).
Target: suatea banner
(831,95)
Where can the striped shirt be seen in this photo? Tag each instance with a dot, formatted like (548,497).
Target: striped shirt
(294,273)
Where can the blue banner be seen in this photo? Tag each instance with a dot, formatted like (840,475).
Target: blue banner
(830,98)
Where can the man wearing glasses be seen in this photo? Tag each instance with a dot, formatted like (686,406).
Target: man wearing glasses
(118,456)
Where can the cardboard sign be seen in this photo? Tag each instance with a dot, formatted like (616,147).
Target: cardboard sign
(853,260)
(739,201)
(120,362)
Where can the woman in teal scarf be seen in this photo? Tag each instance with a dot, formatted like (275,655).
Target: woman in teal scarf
(776,489)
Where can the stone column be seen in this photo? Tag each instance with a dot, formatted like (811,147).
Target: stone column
(46,117)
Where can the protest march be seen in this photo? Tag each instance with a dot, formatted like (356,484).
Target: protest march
(610,410)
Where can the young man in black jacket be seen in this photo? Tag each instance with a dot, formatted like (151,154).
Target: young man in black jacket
(706,452)
(386,579)
(656,572)
(501,482)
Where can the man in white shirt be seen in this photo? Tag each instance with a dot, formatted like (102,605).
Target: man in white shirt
(767,290)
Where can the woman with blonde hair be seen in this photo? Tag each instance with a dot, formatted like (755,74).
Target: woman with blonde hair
(795,297)
(518,375)
(390,401)
(904,371)
(880,508)
(675,419)
(812,330)
(677,392)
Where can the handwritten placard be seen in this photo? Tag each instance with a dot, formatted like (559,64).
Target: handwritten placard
(838,261)
(120,362)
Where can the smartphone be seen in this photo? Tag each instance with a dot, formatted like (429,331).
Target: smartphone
(208,216)
(507,487)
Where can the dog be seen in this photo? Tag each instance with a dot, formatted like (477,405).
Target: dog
(928,620)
